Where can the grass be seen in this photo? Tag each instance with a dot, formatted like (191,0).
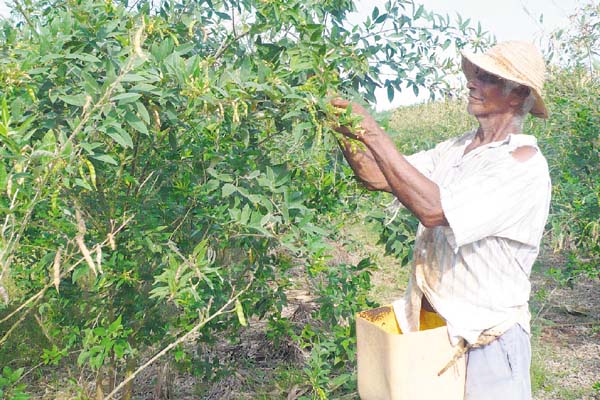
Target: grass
(541,376)
(548,383)
(421,126)
(391,278)
(360,239)
(251,381)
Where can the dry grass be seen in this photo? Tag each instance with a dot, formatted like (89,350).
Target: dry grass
(390,278)
(444,119)
(566,345)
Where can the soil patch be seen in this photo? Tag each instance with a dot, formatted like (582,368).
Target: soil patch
(566,345)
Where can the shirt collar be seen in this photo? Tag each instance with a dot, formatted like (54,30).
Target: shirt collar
(513,139)
(520,139)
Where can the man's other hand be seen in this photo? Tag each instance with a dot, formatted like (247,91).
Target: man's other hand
(368,125)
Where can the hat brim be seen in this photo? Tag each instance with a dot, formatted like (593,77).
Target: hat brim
(490,65)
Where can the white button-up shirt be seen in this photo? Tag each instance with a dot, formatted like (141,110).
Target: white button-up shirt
(475,272)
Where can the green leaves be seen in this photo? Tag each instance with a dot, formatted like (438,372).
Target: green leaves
(78,100)
(99,342)
(5,116)
(9,389)
(3,177)
(126,98)
(136,123)
(120,135)
(419,12)
(143,112)
(239,311)
(574,161)
(88,58)
(228,189)
(105,158)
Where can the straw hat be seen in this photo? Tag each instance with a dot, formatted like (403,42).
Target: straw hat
(516,61)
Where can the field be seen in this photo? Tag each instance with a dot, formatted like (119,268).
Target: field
(565,318)
(565,341)
(177,220)
(566,330)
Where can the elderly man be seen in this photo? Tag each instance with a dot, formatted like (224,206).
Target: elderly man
(482,200)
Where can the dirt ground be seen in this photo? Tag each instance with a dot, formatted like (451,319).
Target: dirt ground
(566,340)
(565,326)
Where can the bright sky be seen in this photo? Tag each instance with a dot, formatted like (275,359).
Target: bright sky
(506,19)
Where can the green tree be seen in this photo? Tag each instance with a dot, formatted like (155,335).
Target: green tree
(163,168)
(571,142)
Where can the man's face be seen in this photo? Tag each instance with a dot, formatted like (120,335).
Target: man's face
(487,94)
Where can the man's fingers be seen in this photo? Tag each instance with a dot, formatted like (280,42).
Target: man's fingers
(343,129)
(355,107)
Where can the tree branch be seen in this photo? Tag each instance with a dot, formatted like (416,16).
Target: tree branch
(62,275)
(226,44)
(164,351)
(25,15)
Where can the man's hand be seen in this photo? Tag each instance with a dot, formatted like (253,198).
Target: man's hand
(381,167)
(368,126)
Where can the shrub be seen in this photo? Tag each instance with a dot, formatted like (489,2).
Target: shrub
(161,166)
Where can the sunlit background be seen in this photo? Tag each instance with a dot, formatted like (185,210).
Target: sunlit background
(531,20)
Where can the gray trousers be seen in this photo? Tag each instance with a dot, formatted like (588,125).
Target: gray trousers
(500,370)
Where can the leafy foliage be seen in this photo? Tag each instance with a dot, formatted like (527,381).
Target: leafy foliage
(9,386)
(571,141)
(159,162)
(578,44)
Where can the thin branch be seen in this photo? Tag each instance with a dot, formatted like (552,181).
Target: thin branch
(233,21)
(44,330)
(28,372)
(25,15)
(16,324)
(226,44)
(133,5)
(539,313)
(31,299)
(182,221)
(164,351)
(558,326)
(62,275)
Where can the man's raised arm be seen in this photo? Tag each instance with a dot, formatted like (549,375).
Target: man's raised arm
(365,167)
(417,192)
